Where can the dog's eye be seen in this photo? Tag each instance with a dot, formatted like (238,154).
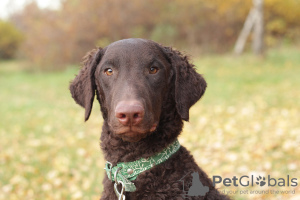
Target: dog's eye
(108,71)
(153,70)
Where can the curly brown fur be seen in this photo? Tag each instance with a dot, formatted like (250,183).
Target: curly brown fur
(181,88)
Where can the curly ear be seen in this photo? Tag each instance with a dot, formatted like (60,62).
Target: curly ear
(83,86)
(189,85)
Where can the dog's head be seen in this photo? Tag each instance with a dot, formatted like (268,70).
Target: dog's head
(131,79)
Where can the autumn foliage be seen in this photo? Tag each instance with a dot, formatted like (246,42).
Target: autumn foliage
(10,39)
(55,38)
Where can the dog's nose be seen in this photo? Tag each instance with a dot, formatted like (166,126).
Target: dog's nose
(129,112)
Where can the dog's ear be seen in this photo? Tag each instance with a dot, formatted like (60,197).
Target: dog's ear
(189,85)
(83,86)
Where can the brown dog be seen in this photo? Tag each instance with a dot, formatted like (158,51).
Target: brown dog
(145,91)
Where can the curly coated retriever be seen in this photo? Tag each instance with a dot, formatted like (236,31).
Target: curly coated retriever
(145,90)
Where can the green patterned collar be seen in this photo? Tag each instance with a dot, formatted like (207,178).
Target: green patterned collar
(128,171)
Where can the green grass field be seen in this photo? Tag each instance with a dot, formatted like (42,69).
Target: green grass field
(246,123)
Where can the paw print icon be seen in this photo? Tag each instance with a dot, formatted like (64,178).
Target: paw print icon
(261,181)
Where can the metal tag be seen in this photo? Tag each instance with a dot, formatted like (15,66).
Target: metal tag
(120,196)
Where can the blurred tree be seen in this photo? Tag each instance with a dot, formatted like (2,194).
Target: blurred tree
(254,20)
(44,35)
(282,21)
(258,35)
(55,38)
(10,40)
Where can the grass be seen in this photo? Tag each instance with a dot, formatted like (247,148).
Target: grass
(246,123)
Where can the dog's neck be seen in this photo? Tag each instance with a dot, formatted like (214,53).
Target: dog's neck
(116,150)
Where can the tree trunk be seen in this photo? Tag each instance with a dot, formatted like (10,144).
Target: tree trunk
(255,20)
(258,36)
(240,43)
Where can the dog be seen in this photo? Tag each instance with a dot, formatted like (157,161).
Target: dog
(145,91)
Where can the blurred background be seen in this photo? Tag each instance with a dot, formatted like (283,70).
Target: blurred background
(247,123)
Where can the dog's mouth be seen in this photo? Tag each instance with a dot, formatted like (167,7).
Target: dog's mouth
(133,133)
